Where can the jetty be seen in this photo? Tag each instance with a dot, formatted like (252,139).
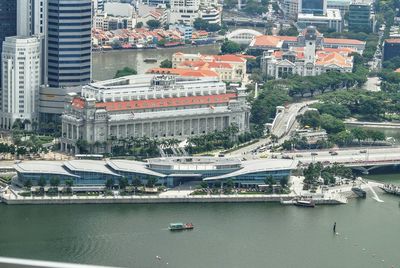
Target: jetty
(391,189)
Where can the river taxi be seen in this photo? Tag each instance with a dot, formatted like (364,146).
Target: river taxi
(180,226)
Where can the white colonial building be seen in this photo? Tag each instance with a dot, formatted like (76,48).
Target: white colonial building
(155,106)
(20,80)
(310,60)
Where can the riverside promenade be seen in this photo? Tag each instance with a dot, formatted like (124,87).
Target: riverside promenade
(13,199)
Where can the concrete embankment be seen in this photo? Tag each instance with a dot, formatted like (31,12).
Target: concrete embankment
(12,200)
(373,124)
(143,200)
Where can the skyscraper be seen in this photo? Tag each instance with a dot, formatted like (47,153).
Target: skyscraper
(316,7)
(21,80)
(69,42)
(8,23)
(32,20)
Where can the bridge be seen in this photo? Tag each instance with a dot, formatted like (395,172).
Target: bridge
(242,36)
(241,21)
(360,159)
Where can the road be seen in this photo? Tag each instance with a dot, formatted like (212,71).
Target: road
(284,125)
(355,155)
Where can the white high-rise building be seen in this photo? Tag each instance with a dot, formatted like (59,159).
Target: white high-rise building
(32,20)
(20,80)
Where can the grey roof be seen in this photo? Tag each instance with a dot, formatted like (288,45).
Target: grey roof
(45,167)
(261,165)
(98,166)
(132,166)
(168,113)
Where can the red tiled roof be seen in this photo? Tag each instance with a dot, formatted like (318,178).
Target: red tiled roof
(167,102)
(272,40)
(393,40)
(78,103)
(183,72)
(216,64)
(229,57)
(343,41)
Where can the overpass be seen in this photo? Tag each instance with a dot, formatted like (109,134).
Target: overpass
(362,159)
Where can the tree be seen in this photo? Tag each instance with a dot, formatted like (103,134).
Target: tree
(284,182)
(136,182)
(110,183)
(166,64)
(54,182)
(229,183)
(42,182)
(139,25)
(123,183)
(28,184)
(151,181)
(204,184)
(230,47)
(124,72)
(200,24)
(69,183)
(153,24)
(359,134)
(331,124)
(310,119)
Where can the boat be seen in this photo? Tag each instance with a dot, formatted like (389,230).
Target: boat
(149,60)
(391,189)
(304,203)
(360,192)
(180,226)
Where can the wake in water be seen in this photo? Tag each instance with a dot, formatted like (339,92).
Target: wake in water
(375,196)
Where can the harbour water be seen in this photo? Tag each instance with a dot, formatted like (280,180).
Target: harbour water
(225,235)
(106,64)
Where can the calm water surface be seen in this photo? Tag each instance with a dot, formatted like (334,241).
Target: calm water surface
(226,235)
(105,65)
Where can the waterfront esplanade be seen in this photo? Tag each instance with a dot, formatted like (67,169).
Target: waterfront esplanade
(170,171)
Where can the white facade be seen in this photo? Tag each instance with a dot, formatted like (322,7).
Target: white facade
(139,87)
(332,19)
(119,9)
(20,80)
(32,20)
(186,11)
(162,107)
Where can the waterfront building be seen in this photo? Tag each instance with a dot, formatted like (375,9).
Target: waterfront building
(360,19)
(230,68)
(154,106)
(391,48)
(69,53)
(20,80)
(169,171)
(8,22)
(332,19)
(310,60)
(186,31)
(272,42)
